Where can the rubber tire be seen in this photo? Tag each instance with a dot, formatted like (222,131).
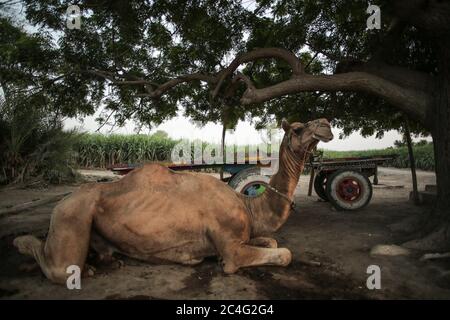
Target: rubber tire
(338,203)
(319,185)
(246,176)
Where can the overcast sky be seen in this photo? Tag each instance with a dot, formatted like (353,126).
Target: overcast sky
(182,127)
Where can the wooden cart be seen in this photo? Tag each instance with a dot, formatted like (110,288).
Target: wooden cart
(343,182)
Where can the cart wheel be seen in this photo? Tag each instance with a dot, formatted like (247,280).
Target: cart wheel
(320,184)
(249,182)
(348,190)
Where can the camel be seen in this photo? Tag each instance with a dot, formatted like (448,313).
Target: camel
(159,215)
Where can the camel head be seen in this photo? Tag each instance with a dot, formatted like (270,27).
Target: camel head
(303,137)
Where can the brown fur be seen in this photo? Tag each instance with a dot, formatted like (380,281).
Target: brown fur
(159,215)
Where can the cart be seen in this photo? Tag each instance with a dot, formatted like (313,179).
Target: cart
(344,182)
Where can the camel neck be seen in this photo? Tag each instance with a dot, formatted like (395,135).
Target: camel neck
(289,170)
(271,210)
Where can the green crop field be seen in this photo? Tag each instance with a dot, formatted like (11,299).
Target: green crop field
(423,153)
(102,151)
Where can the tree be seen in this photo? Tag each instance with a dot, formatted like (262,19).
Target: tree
(222,60)
(32,103)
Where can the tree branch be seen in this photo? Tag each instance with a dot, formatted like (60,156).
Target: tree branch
(406,89)
(401,76)
(259,53)
(242,77)
(411,101)
(154,90)
(163,88)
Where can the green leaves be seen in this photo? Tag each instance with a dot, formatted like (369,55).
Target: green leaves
(160,40)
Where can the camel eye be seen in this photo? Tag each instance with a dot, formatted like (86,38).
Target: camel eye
(297,131)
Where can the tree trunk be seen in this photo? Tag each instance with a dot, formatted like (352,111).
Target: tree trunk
(441,139)
(412,163)
(224,131)
(441,134)
(438,225)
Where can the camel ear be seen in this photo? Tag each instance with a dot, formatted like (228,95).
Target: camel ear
(285,125)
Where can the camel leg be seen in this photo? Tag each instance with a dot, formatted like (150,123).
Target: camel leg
(180,254)
(237,255)
(68,237)
(264,242)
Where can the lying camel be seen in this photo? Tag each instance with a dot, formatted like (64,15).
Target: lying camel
(159,215)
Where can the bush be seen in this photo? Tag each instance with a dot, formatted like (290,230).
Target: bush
(33,144)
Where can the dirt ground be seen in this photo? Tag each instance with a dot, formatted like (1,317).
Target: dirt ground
(340,241)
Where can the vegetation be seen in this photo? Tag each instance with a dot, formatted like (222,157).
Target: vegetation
(102,151)
(33,144)
(142,60)
(33,103)
(423,153)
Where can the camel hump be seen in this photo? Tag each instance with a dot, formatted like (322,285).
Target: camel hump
(149,173)
(149,169)
(155,167)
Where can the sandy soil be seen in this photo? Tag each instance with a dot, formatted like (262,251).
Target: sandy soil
(340,241)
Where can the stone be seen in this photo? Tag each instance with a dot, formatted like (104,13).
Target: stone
(389,250)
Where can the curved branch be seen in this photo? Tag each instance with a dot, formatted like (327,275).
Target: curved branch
(242,77)
(405,89)
(163,88)
(259,53)
(411,101)
(404,77)
(154,90)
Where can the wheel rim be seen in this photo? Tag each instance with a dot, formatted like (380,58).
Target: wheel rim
(349,189)
(254,189)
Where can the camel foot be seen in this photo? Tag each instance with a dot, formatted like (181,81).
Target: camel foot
(25,244)
(284,257)
(248,256)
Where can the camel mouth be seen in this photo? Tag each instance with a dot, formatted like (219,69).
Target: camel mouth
(323,133)
(323,138)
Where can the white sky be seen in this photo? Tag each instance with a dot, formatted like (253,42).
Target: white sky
(245,134)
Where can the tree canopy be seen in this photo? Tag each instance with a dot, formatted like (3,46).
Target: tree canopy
(126,54)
